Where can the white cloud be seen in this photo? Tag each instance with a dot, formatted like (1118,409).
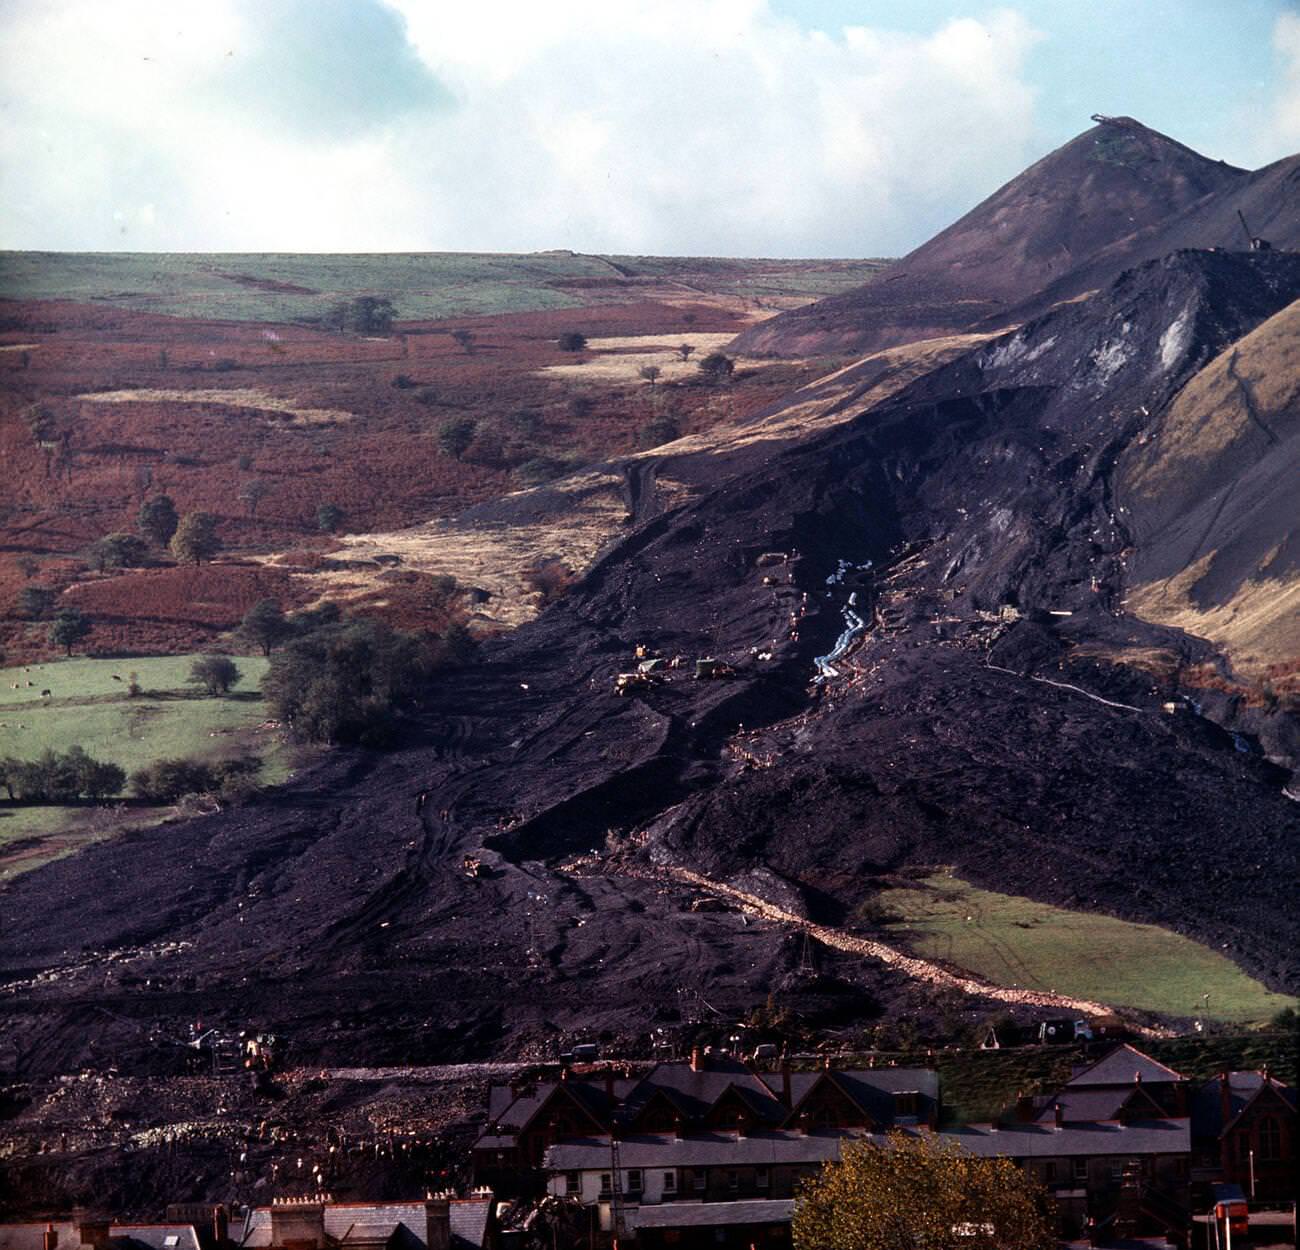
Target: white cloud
(1286,107)
(670,126)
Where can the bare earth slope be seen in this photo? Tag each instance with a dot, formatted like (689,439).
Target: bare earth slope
(1068,224)
(962,723)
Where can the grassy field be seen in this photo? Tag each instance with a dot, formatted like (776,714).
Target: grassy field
(422,286)
(89,708)
(1017,942)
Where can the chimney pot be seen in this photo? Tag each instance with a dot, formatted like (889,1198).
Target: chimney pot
(1058,1115)
(697,1059)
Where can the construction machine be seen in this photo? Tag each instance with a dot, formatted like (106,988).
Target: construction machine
(1253,241)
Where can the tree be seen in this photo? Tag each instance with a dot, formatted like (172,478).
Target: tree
(35,601)
(455,435)
(158,519)
(685,351)
(252,493)
(69,628)
(195,538)
(55,778)
(118,551)
(329,516)
(464,339)
(342,682)
(572,341)
(716,367)
(362,314)
(29,565)
(264,624)
(920,1191)
(650,373)
(215,673)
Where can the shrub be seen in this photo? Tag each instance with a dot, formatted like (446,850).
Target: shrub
(362,314)
(660,430)
(572,341)
(459,645)
(329,517)
(550,578)
(582,405)
(35,601)
(215,673)
(717,368)
(539,470)
(455,436)
(118,551)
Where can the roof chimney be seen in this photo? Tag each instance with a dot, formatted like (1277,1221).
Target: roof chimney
(697,1059)
(1058,1115)
(437,1223)
(801,1124)
(1024,1108)
(92,1229)
(50,1238)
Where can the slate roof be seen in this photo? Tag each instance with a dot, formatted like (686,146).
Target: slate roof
(1243,1089)
(714,1214)
(469,1222)
(351,1223)
(1121,1066)
(651,1150)
(1038,1141)
(31,1236)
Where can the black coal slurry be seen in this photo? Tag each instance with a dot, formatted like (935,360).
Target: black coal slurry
(959,729)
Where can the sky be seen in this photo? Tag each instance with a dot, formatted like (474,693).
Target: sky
(797,128)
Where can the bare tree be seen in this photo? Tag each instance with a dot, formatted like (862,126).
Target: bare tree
(650,373)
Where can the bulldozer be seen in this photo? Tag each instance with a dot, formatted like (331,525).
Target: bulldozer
(630,683)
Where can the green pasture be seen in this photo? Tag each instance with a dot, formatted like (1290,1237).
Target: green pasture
(422,286)
(88,708)
(1017,942)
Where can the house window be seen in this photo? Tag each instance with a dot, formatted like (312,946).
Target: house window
(635,1181)
(905,1103)
(1270,1140)
(762,1179)
(733,1180)
(670,1182)
(698,1179)
(1081,1169)
(605,1187)
(572,1184)
(1116,1171)
(1049,1173)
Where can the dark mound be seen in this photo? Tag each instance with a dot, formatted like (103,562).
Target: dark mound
(981,722)
(1070,223)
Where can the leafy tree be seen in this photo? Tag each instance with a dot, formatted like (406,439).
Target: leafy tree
(215,673)
(342,682)
(118,551)
(362,314)
(35,601)
(685,351)
(572,341)
(920,1191)
(329,516)
(252,493)
(158,519)
(55,778)
(265,624)
(716,367)
(464,339)
(455,436)
(650,373)
(166,781)
(196,538)
(69,628)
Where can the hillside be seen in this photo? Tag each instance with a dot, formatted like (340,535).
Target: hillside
(1105,201)
(989,707)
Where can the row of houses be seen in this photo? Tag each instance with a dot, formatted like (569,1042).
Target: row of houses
(711,1152)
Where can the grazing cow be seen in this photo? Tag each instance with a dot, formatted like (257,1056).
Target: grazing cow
(45,694)
(116,677)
